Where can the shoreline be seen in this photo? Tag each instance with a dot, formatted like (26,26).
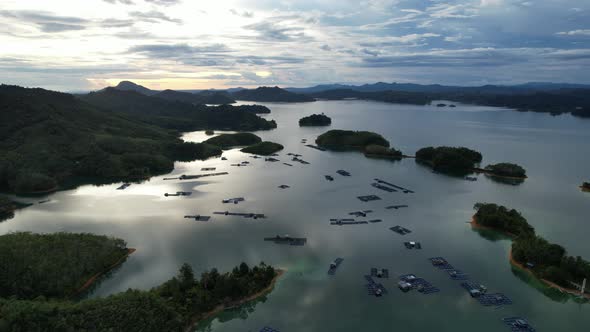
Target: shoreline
(220,308)
(519,265)
(95,277)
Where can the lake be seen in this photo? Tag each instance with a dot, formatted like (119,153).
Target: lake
(553,150)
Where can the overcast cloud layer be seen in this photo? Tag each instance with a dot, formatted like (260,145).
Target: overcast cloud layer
(81,45)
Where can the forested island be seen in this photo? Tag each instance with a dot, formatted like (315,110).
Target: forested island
(449,160)
(545,260)
(51,140)
(271,94)
(506,170)
(228,141)
(350,140)
(263,148)
(35,295)
(315,120)
(379,151)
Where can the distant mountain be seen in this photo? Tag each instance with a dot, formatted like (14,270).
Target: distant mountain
(204,97)
(270,94)
(130,86)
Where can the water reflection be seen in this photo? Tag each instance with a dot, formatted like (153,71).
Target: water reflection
(241,312)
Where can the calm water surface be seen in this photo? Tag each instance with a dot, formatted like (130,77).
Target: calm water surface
(554,150)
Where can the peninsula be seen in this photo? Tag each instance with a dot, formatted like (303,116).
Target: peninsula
(263,148)
(315,120)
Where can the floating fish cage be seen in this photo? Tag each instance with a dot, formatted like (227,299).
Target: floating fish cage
(334,266)
(379,273)
(441,263)
(400,230)
(369,198)
(518,324)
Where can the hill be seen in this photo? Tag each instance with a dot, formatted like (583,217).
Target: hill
(51,140)
(174,114)
(130,86)
(271,94)
(196,98)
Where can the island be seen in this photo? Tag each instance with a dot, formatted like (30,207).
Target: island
(255,109)
(350,140)
(228,141)
(315,120)
(585,186)
(209,132)
(52,140)
(506,170)
(449,160)
(263,148)
(37,296)
(547,261)
(379,151)
(271,94)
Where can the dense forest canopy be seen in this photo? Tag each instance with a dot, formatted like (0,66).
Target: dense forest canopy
(263,148)
(228,141)
(255,109)
(450,160)
(550,261)
(271,94)
(506,169)
(202,98)
(49,139)
(379,151)
(315,120)
(348,139)
(53,265)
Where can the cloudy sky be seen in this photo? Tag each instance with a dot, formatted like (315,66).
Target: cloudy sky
(192,44)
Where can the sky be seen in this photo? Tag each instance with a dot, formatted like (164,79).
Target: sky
(198,44)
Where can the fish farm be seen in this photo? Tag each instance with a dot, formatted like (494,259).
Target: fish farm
(286,239)
(400,230)
(179,193)
(334,266)
(343,172)
(369,198)
(198,217)
(374,288)
(395,207)
(382,187)
(518,324)
(234,200)
(342,223)
(245,215)
(408,282)
(329,177)
(360,213)
(315,147)
(404,190)
(268,329)
(441,263)
(413,245)
(379,273)
(284,186)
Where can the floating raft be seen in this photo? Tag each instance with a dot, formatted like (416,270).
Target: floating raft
(124,186)
(518,324)
(379,273)
(334,266)
(470,178)
(271,159)
(369,198)
(457,275)
(179,193)
(206,169)
(382,187)
(294,241)
(315,147)
(395,207)
(478,292)
(343,172)
(223,158)
(329,177)
(413,245)
(400,230)
(284,186)
(301,161)
(374,288)
(410,281)
(191,177)
(245,215)
(360,213)
(441,263)
(234,200)
(404,190)
(342,223)
(255,157)
(198,217)
(294,154)
(287,164)
(268,329)
(341,219)
(373,221)
(44,201)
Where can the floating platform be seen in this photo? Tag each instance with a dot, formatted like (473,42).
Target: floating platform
(268,329)
(329,177)
(369,198)
(395,207)
(234,200)
(44,201)
(341,219)
(413,245)
(441,263)
(124,186)
(294,154)
(198,217)
(286,239)
(301,161)
(400,230)
(179,193)
(255,157)
(495,299)
(343,172)
(475,289)
(404,190)
(362,213)
(271,159)
(342,223)
(284,186)
(374,288)
(410,281)
(315,147)
(191,177)
(334,266)
(245,215)
(470,178)
(223,158)
(287,164)
(518,324)
(207,169)
(374,221)
(382,187)
(457,275)
(379,273)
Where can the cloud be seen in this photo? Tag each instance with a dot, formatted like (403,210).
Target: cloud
(125,2)
(245,14)
(165,51)
(579,32)
(164,2)
(153,16)
(46,21)
(270,30)
(326,47)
